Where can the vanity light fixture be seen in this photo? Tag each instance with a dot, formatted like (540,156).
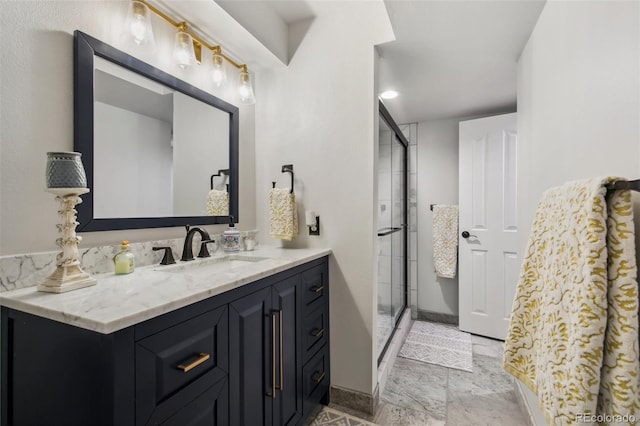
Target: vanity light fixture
(183,49)
(244,88)
(218,73)
(187,47)
(138,25)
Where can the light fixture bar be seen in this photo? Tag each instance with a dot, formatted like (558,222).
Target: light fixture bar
(197,41)
(232,62)
(161,14)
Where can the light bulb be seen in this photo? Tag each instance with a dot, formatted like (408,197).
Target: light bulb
(138,29)
(183,53)
(244,88)
(218,74)
(138,25)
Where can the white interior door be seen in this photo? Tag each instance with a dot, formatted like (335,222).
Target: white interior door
(488,270)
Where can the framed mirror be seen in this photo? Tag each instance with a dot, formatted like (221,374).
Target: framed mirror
(157,151)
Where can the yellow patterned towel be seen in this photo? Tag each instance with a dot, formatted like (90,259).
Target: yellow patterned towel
(283,214)
(573,336)
(217,203)
(445,240)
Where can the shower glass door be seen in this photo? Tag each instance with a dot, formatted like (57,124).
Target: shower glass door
(392,229)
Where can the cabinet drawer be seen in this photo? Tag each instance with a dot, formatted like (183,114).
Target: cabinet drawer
(314,331)
(175,364)
(315,287)
(316,380)
(211,408)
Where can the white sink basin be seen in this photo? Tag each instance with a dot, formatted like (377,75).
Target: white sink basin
(209,264)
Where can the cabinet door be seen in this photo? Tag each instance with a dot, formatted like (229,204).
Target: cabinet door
(288,401)
(251,360)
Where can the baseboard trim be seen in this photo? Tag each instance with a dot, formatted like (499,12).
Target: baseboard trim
(356,400)
(438,317)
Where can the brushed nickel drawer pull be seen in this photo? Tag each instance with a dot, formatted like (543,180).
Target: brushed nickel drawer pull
(319,376)
(202,357)
(317,333)
(317,288)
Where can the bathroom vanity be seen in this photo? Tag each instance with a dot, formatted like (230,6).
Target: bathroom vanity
(228,340)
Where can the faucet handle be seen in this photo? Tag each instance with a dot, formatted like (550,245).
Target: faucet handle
(203,248)
(167,259)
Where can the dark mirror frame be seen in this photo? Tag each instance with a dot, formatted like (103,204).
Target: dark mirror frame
(85,48)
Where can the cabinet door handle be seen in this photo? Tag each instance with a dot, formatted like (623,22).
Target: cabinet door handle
(318,376)
(317,333)
(317,288)
(273,356)
(202,357)
(281,386)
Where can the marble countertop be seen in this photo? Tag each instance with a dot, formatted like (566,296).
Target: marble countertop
(119,301)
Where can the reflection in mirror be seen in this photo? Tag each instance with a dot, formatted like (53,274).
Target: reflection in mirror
(151,145)
(168,145)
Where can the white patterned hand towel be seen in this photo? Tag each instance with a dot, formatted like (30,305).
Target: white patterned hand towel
(573,335)
(283,220)
(217,203)
(445,240)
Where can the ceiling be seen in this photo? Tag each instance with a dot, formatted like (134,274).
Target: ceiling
(454,58)
(450,58)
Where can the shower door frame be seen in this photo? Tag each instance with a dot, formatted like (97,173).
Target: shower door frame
(388,119)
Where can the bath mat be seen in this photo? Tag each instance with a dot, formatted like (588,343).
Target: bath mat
(438,344)
(330,417)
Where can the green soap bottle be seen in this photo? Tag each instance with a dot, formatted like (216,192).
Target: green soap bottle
(125,260)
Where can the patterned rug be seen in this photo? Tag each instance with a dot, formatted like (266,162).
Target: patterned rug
(330,417)
(438,344)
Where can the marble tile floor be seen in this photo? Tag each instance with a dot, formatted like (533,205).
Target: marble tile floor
(421,394)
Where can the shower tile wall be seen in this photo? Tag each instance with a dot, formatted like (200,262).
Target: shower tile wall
(410,131)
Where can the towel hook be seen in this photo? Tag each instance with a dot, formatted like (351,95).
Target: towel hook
(288,168)
(220,173)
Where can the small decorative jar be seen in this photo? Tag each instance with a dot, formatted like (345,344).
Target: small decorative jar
(65,170)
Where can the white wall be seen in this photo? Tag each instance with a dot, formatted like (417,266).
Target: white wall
(36,110)
(578,101)
(437,184)
(320,114)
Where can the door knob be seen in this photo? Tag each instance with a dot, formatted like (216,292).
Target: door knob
(466,234)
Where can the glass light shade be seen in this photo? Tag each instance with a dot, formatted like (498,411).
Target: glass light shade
(245,90)
(218,73)
(183,53)
(138,25)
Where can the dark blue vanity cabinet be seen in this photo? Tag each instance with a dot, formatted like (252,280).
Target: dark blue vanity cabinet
(256,355)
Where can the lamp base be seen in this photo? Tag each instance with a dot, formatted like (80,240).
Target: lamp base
(67,278)
(68,274)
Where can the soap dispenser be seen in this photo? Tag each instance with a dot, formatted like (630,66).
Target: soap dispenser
(231,237)
(124,261)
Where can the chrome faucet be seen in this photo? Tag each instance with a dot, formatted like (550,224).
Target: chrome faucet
(187,250)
